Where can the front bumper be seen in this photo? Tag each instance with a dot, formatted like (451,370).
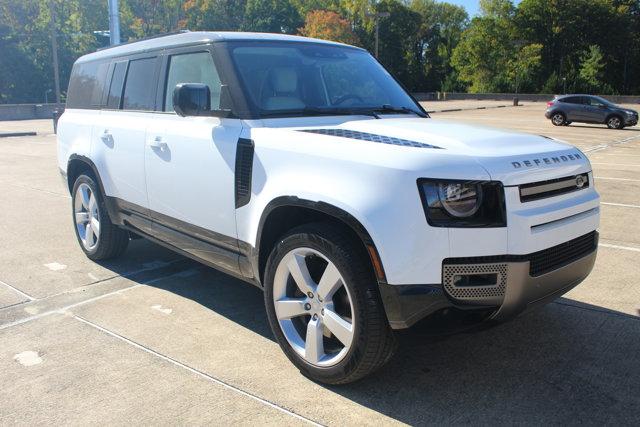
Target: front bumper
(520,284)
(631,120)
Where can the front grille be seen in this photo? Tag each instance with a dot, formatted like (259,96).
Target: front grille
(543,261)
(553,187)
(553,258)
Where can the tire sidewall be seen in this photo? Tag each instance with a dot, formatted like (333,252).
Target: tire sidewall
(86,179)
(334,254)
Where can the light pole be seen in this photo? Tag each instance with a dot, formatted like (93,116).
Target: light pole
(564,85)
(54,49)
(114,23)
(376,17)
(46,96)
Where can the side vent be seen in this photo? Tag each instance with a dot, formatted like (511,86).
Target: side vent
(244,171)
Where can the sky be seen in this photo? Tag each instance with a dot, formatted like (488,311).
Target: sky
(472,6)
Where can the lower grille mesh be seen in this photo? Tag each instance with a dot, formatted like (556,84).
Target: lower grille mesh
(543,261)
(475,293)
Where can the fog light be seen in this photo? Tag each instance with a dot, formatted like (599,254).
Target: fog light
(466,280)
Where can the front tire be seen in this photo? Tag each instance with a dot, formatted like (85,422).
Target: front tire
(99,239)
(324,306)
(614,122)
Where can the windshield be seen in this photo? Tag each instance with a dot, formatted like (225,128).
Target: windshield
(288,79)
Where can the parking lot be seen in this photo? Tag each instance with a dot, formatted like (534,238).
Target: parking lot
(154,338)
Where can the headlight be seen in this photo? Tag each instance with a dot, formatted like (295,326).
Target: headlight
(460,200)
(449,203)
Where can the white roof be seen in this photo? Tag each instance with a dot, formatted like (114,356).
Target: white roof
(193,37)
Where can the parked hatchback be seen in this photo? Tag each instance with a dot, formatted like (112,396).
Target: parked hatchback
(564,110)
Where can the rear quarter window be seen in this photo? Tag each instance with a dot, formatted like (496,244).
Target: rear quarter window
(86,86)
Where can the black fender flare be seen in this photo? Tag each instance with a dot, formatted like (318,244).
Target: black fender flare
(327,209)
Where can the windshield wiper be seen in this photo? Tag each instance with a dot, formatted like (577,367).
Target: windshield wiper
(386,108)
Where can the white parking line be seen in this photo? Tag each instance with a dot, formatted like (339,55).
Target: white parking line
(197,372)
(626,248)
(27,296)
(620,204)
(617,179)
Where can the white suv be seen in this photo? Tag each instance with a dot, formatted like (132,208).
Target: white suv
(302,166)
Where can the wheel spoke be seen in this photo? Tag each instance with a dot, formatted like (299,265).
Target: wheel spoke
(95,226)
(342,329)
(88,236)
(289,307)
(298,269)
(329,282)
(313,346)
(82,217)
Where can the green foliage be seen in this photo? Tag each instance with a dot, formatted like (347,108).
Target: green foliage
(271,16)
(592,67)
(534,46)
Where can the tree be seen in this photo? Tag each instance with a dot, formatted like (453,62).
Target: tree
(483,55)
(440,30)
(214,15)
(524,65)
(591,68)
(327,25)
(271,16)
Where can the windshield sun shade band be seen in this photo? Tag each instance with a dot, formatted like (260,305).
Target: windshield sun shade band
(363,136)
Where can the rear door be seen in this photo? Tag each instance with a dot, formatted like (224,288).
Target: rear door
(573,108)
(190,165)
(119,136)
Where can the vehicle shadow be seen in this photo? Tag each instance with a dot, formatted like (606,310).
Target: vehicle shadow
(566,363)
(603,127)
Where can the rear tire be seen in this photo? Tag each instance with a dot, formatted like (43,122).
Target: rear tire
(558,119)
(99,238)
(614,122)
(352,345)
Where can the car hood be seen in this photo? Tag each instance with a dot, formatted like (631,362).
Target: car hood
(510,157)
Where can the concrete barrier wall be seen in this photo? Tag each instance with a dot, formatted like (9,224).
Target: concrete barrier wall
(27,111)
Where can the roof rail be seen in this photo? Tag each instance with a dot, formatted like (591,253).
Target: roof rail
(171,33)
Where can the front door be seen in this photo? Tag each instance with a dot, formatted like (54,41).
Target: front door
(190,167)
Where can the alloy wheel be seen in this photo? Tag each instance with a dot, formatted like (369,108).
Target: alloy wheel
(87,216)
(558,119)
(614,122)
(313,307)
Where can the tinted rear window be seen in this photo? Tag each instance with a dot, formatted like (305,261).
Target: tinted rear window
(115,90)
(139,88)
(86,85)
(572,100)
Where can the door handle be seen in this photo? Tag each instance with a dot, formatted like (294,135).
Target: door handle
(106,137)
(157,143)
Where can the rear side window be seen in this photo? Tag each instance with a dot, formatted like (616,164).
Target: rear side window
(195,67)
(115,90)
(139,87)
(86,85)
(572,100)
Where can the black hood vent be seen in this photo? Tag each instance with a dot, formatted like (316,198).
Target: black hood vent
(363,136)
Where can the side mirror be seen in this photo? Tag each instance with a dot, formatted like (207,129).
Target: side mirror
(192,99)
